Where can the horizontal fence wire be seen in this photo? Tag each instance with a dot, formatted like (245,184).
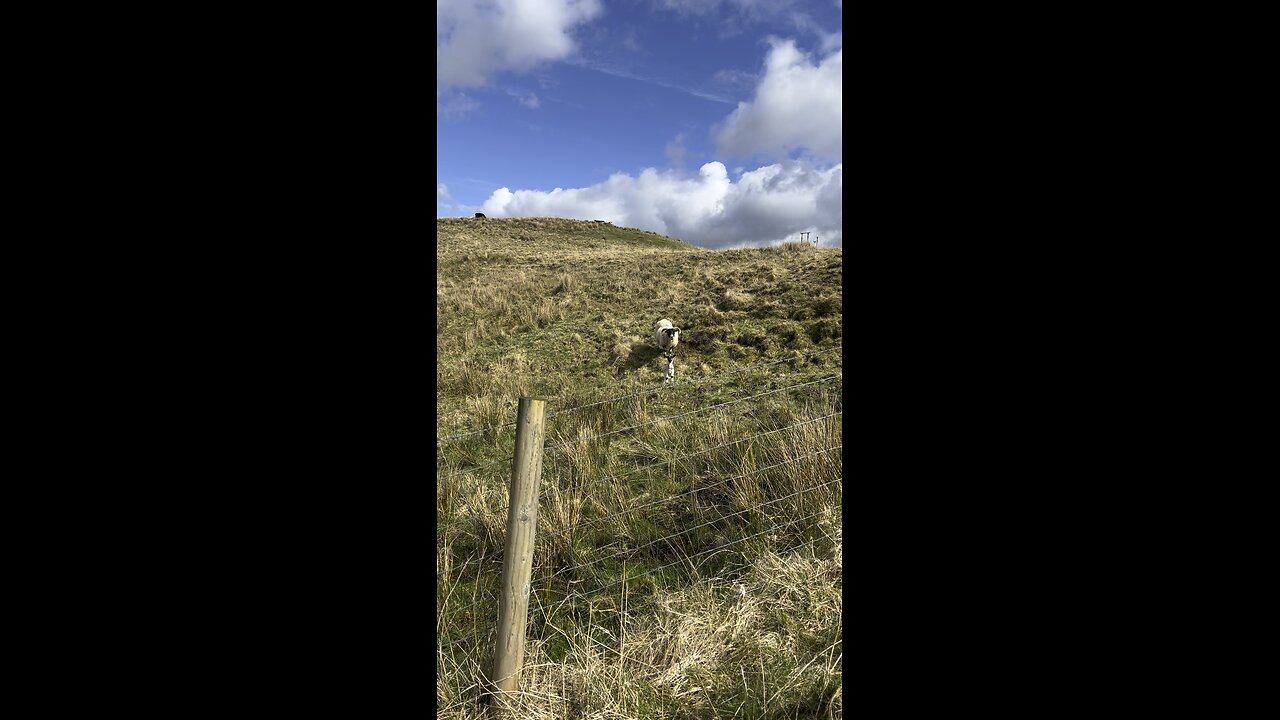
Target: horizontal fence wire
(690,383)
(597,521)
(667,538)
(667,387)
(557,448)
(443,614)
(597,561)
(450,438)
(578,441)
(473,469)
(714,550)
(709,523)
(489,557)
(448,616)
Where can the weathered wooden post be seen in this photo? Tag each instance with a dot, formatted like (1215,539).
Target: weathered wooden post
(522,520)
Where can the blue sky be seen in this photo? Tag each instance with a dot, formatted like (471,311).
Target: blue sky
(714,121)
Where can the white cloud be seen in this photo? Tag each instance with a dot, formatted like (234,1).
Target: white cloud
(690,7)
(527,99)
(797,105)
(630,40)
(452,105)
(733,17)
(623,72)
(475,40)
(675,152)
(752,9)
(831,41)
(826,41)
(765,206)
(763,8)
(734,78)
(445,206)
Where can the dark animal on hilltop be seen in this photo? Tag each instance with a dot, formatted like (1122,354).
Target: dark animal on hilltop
(480,215)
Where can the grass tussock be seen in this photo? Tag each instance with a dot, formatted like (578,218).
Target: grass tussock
(687,558)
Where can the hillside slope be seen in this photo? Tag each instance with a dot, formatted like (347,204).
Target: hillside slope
(687,561)
(565,308)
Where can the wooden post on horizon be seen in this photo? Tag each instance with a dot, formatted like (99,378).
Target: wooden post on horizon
(517,564)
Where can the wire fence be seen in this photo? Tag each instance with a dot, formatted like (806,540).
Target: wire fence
(719,548)
(599,521)
(676,544)
(592,438)
(578,441)
(667,387)
(631,552)
(722,518)
(667,418)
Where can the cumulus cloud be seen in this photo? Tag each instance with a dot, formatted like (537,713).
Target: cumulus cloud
(797,105)
(765,206)
(475,40)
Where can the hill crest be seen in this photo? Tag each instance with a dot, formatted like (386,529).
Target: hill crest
(593,234)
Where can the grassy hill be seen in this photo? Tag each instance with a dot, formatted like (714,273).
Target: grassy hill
(688,557)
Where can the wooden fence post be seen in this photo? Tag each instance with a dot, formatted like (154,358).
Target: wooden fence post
(517,564)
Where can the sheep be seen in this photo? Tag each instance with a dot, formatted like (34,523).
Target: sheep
(668,337)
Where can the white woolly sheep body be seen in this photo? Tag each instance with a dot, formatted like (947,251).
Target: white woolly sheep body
(668,337)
